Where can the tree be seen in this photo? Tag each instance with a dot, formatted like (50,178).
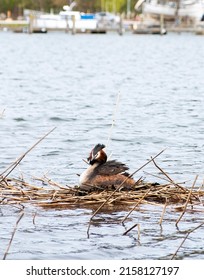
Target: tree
(15,6)
(6,5)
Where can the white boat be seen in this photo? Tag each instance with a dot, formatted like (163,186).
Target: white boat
(73,20)
(184,8)
(65,20)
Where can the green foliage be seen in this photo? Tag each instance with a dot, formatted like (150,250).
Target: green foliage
(7,4)
(116,6)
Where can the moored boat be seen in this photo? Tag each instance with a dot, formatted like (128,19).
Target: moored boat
(170,9)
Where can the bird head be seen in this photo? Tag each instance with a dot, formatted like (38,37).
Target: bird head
(97,154)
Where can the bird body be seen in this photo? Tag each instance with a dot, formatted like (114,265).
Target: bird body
(104,174)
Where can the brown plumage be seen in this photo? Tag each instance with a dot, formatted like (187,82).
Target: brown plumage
(103,173)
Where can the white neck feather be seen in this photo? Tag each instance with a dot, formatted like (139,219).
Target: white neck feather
(87,174)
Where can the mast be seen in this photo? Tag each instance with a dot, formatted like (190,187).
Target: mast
(177,19)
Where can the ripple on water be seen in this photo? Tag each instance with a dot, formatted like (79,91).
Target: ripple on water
(72,83)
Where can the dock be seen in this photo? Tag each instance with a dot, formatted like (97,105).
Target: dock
(73,26)
(14,25)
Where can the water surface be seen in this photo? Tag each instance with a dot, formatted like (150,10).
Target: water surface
(72,83)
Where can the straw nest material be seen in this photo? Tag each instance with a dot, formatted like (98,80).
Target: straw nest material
(51,194)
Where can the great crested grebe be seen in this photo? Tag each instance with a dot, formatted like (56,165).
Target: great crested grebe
(103,173)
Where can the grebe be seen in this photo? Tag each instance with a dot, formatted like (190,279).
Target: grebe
(104,174)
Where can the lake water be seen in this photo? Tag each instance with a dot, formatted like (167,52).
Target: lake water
(72,83)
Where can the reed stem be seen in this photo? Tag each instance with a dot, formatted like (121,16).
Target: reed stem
(13,233)
(187,200)
(194,229)
(17,162)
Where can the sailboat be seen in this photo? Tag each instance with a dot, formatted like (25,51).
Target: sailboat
(170,9)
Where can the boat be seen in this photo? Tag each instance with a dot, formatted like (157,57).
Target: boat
(170,9)
(66,20)
(74,21)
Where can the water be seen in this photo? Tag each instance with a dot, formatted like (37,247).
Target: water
(72,83)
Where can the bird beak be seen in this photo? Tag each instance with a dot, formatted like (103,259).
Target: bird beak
(91,159)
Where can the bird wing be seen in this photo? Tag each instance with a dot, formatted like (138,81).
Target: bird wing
(111,167)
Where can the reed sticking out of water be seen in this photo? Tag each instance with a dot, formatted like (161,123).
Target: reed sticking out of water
(187,200)
(138,202)
(113,120)
(17,162)
(13,233)
(187,235)
(163,212)
(167,176)
(2,114)
(128,230)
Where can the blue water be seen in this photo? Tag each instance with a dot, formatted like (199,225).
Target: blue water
(72,83)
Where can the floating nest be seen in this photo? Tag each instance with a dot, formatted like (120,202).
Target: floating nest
(51,194)
(46,193)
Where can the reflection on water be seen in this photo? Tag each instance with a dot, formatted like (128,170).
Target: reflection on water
(72,82)
(62,234)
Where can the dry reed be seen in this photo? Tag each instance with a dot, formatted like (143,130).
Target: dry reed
(186,237)
(187,201)
(46,193)
(51,194)
(128,230)
(13,233)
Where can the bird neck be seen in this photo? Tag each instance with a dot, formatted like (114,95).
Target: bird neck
(88,173)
